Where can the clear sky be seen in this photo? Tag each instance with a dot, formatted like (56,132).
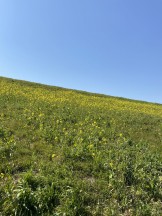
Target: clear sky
(104,46)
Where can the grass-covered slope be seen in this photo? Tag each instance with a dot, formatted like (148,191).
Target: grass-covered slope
(66,152)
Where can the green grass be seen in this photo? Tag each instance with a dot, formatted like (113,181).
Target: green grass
(67,152)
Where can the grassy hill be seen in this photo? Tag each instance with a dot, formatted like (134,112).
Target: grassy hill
(68,152)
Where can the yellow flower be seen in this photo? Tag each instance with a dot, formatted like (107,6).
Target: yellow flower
(53,155)
(2,175)
(111,164)
(90,146)
(41,114)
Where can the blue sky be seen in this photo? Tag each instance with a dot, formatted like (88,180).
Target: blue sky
(110,46)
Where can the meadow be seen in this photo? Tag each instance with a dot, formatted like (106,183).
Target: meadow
(71,153)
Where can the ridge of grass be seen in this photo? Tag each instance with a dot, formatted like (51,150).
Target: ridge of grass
(51,87)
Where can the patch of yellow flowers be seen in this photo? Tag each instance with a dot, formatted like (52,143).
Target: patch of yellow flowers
(69,96)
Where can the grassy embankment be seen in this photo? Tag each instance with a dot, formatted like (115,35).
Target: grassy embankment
(66,152)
